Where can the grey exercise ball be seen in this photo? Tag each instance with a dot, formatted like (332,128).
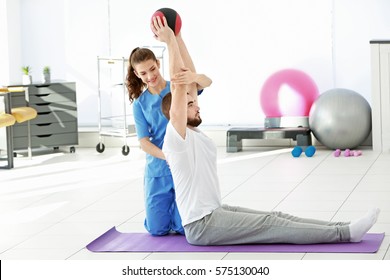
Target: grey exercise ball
(340,119)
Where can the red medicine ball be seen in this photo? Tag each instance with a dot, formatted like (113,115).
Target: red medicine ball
(173,18)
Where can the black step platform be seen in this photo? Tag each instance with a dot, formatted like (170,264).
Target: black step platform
(235,135)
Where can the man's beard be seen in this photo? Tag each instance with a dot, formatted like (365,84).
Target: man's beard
(195,122)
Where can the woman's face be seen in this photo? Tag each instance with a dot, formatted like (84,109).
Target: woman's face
(149,72)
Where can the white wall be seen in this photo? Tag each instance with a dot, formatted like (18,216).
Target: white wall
(10,45)
(4,72)
(239,44)
(356,22)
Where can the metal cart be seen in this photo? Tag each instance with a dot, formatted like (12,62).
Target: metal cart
(114,108)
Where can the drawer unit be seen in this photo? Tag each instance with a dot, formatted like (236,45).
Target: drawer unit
(45,129)
(56,123)
(47,140)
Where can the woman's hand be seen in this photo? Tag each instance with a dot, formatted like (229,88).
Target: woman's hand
(161,30)
(184,77)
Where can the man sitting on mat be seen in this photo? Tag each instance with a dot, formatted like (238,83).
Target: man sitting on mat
(192,158)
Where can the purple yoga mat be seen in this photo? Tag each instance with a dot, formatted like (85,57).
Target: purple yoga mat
(115,241)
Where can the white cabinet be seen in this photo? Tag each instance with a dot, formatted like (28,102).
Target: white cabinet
(380,90)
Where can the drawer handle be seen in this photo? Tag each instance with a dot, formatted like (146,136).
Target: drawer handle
(44,135)
(44,113)
(40,86)
(43,124)
(42,94)
(42,104)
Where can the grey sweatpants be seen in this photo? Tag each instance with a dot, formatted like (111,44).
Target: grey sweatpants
(237,225)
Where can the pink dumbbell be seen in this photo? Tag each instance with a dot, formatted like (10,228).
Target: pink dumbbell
(337,152)
(347,153)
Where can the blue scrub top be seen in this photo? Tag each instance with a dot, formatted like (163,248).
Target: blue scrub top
(150,122)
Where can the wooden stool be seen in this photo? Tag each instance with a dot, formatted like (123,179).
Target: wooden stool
(19,115)
(23,114)
(6,120)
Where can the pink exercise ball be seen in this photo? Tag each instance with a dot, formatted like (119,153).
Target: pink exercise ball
(299,82)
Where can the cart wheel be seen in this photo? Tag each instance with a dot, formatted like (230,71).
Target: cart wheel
(125,150)
(100,147)
(72,150)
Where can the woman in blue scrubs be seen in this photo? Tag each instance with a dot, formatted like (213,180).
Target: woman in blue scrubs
(147,88)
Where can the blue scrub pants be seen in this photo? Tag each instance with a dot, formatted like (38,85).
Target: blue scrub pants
(162,214)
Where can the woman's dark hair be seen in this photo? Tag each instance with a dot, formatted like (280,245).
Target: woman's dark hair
(134,84)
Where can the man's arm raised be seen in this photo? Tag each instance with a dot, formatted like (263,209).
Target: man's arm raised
(201,80)
(178,111)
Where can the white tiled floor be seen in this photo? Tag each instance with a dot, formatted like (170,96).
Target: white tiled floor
(52,206)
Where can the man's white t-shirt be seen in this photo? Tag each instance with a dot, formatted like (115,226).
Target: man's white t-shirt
(193,164)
